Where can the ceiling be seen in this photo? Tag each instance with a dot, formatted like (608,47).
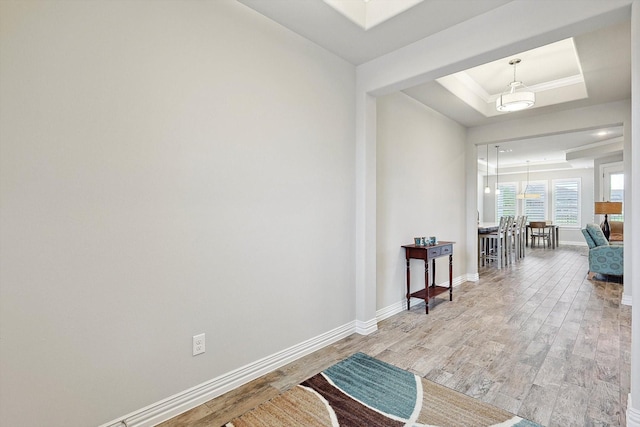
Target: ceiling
(319,22)
(588,69)
(571,150)
(602,57)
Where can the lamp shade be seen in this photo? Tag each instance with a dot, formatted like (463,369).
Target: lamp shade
(608,208)
(517,97)
(528,196)
(515,101)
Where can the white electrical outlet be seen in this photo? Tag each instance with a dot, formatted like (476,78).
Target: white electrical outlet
(198,344)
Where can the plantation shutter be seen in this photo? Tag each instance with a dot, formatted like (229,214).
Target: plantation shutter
(506,200)
(566,202)
(536,209)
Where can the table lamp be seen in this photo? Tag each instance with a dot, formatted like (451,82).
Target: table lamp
(606,208)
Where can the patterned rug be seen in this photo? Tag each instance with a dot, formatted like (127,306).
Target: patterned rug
(363,391)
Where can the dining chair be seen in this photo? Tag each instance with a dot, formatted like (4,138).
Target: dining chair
(522,236)
(539,232)
(494,244)
(517,238)
(509,238)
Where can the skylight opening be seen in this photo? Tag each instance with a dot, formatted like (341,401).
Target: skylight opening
(369,13)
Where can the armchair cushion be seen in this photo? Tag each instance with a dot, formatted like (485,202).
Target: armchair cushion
(588,238)
(597,235)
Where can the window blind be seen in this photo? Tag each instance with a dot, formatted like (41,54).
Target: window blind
(506,200)
(566,202)
(536,209)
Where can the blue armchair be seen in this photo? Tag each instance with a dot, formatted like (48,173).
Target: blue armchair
(603,258)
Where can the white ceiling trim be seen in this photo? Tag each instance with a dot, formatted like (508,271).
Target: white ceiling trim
(477,86)
(548,93)
(557,84)
(593,151)
(602,143)
(452,82)
(464,87)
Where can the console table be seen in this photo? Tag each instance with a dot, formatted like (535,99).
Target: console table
(427,253)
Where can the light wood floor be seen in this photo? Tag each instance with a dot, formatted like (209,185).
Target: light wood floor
(537,339)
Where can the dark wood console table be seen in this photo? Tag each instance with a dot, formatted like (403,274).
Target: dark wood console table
(426,253)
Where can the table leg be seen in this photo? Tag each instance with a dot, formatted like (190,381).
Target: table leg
(433,272)
(526,241)
(451,277)
(426,285)
(408,285)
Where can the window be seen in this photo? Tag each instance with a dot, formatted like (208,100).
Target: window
(536,209)
(506,200)
(560,200)
(566,202)
(612,186)
(616,188)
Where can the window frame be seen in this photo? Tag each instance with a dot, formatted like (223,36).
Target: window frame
(606,170)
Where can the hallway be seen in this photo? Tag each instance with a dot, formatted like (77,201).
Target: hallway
(536,338)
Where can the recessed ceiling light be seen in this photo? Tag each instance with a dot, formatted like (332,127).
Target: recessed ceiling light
(602,133)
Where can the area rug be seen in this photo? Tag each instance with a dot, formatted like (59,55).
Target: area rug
(363,391)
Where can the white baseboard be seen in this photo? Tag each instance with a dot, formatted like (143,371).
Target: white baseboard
(457,281)
(188,399)
(385,313)
(397,307)
(367,327)
(177,404)
(626,300)
(633,415)
(567,243)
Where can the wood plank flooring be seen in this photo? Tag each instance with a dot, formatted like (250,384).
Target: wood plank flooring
(537,339)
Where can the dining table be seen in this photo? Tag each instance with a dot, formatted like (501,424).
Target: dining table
(487,227)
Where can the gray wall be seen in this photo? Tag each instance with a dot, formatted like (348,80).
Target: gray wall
(420,191)
(168,168)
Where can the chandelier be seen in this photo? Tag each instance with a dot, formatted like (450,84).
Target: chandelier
(524,194)
(517,97)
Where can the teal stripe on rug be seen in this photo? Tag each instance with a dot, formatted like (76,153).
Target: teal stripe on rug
(384,387)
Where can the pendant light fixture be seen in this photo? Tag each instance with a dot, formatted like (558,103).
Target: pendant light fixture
(517,97)
(487,189)
(524,194)
(497,153)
